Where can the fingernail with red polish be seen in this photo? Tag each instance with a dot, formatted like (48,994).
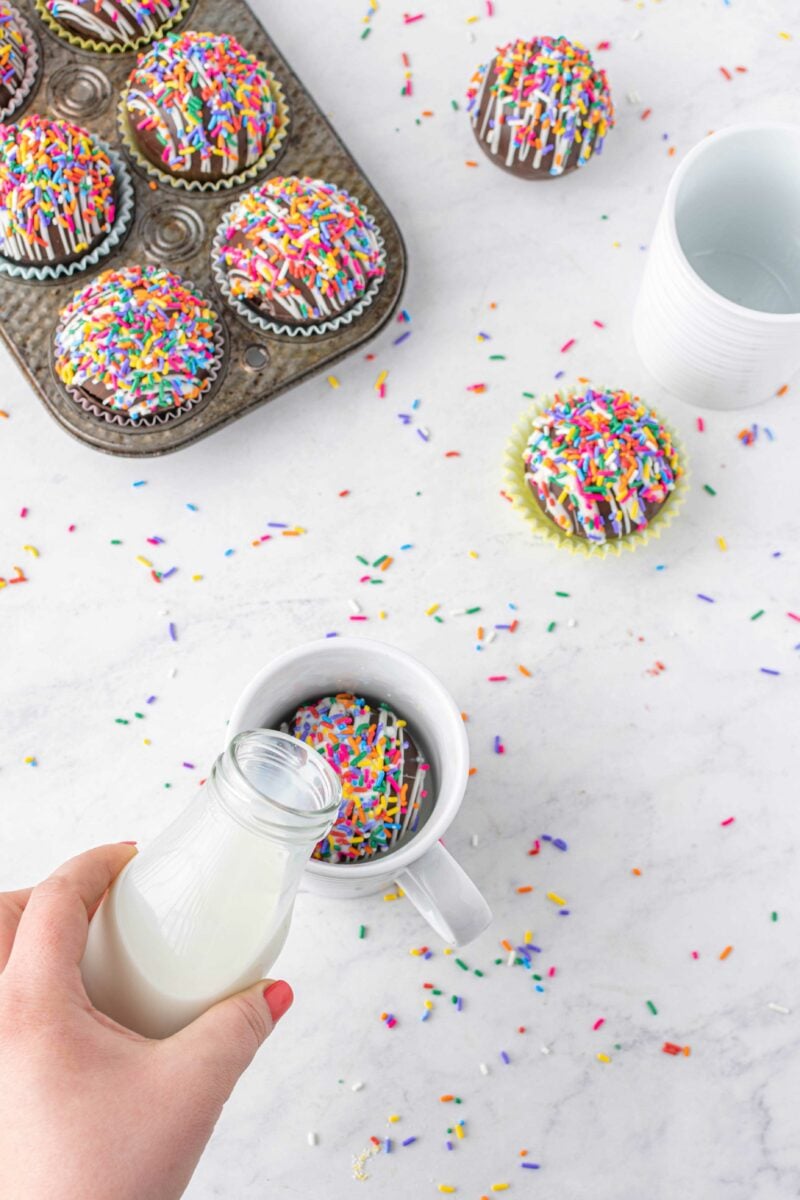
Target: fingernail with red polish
(279,997)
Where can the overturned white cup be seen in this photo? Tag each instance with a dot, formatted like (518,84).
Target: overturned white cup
(427,873)
(717,321)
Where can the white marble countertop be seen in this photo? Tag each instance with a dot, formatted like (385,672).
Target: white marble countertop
(634,766)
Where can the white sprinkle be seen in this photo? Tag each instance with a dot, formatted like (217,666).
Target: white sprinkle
(164,612)
(545,1049)
(458,612)
(512,958)
(779,1008)
(357,1086)
(633,98)
(474,839)
(356,607)
(491,635)
(572,623)
(637,33)
(484,1070)
(173,671)
(312,1139)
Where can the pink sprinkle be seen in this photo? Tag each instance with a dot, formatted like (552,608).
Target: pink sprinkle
(604,45)
(23,512)
(695,954)
(600,1021)
(358,618)
(729,821)
(408,19)
(599,324)
(497,678)
(551,973)
(700,424)
(489,8)
(70,529)
(365,579)
(793,616)
(568,345)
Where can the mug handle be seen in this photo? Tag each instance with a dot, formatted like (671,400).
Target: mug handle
(445,896)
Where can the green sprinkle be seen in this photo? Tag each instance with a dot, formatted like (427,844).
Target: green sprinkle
(439,620)
(652,1008)
(462,964)
(538,978)
(378,561)
(458,1099)
(169,785)
(366,32)
(529,395)
(497,358)
(708,488)
(436,992)
(362,931)
(116,541)
(360,558)
(139,715)
(477,972)
(497,962)
(121,721)
(377,581)
(470,611)
(454,105)
(551,627)
(758,614)
(774,916)
(562,593)
(454,999)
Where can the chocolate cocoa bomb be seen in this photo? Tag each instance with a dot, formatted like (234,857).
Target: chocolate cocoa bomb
(114,22)
(540,108)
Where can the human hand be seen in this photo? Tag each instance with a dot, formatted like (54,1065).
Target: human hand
(88,1109)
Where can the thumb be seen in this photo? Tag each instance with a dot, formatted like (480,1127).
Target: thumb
(221,1043)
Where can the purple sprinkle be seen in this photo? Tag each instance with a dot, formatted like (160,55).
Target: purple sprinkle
(331,635)
(402,338)
(536,949)
(276,525)
(408,1141)
(167,574)
(502,626)
(558,375)
(505,1057)
(768,671)
(459,1004)
(449,1145)
(150,700)
(546,837)
(559,843)
(387,1145)
(189,766)
(530,1166)
(425,437)
(428,954)
(172,632)
(563,912)
(708,599)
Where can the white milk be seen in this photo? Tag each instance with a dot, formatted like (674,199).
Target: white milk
(204,910)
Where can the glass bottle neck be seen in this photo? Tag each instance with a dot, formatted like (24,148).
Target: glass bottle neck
(276,786)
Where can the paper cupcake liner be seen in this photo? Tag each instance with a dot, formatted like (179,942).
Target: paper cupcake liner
(115,235)
(154,420)
(546,530)
(216,185)
(282,329)
(74,39)
(31,68)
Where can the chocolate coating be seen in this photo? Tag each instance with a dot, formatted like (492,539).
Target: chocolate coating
(114,22)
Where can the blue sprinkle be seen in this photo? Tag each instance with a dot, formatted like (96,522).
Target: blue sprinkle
(505,1057)
(408,1141)
(228,553)
(140,483)
(192,507)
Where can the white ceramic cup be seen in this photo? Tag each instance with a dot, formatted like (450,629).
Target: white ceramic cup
(430,877)
(717,321)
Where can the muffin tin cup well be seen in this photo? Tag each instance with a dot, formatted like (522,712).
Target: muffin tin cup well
(30,77)
(262,164)
(156,420)
(545,531)
(100,47)
(279,328)
(174,228)
(114,238)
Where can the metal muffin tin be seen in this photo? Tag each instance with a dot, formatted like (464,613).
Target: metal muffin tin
(173,228)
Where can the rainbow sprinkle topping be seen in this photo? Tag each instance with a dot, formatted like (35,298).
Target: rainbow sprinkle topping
(13,53)
(600,463)
(203,104)
(138,340)
(301,249)
(538,99)
(114,22)
(56,190)
(381,773)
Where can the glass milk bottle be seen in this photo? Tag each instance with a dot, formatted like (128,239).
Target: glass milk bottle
(204,910)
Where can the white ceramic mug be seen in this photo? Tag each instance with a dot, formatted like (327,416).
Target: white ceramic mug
(717,321)
(427,873)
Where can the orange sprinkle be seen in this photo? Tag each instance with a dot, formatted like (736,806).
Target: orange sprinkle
(472,771)
(780,392)
(687,1050)
(636,871)
(526,888)
(506,944)
(447,1096)
(726,952)
(524,671)
(470,163)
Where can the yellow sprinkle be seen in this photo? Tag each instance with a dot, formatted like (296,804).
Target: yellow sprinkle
(381,380)
(459,1131)
(382,615)
(429,1004)
(603,1058)
(448,950)
(394,1118)
(144,561)
(500,1187)
(528,937)
(333,381)
(196,578)
(723,545)
(556,899)
(445,1187)
(29,759)
(31,550)
(400,893)
(390,896)
(787,37)
(433,608)
(147,741)
(471,19)
(413,950)
(473,553)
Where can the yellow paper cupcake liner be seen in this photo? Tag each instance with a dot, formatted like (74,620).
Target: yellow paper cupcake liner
(216,185)
(546,530)
(74,39)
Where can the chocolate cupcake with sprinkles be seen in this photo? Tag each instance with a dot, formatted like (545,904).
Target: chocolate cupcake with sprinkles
(384,777)
(299,257)
(201,112)
(65,199)
(138,347)
(110,26)
(19,60)
(540,109)
(597,471)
